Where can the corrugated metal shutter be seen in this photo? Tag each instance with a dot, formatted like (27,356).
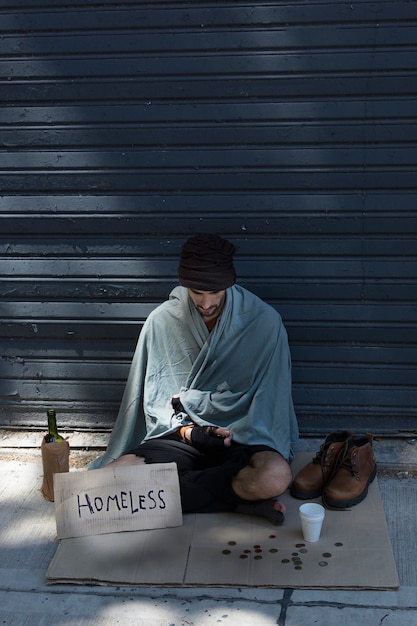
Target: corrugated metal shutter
(288,127)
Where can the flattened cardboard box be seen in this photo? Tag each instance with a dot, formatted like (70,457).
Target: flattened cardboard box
(117,499)
(226,549)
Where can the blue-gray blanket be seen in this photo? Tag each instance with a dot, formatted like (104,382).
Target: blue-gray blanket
(237,377)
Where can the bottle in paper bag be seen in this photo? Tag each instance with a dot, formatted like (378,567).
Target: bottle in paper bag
(55,456)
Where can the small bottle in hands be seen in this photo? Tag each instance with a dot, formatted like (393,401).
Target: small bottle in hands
(53,436)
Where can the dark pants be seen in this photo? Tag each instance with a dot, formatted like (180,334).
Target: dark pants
(205,478)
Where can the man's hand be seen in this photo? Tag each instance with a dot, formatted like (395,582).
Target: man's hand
(206,438)
(176,404)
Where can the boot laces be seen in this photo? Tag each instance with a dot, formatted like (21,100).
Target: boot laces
(343,460)
(321,455)
(346,463)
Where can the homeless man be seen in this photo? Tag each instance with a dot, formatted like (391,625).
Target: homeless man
(210,389)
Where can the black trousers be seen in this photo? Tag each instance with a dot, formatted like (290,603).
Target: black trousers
(205,478)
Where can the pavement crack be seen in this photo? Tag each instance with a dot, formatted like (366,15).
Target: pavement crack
(286,600)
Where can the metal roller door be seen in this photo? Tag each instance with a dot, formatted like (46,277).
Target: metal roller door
(289,128)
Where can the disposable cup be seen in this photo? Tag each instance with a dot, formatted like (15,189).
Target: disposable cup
(311,516)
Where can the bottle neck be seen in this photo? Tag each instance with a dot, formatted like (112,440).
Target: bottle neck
(52,427)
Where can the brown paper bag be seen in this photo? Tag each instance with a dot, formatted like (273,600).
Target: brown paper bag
(55,459)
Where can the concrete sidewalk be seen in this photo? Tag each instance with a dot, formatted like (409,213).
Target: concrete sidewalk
(27,531)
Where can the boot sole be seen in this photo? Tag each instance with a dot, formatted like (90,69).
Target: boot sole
(304,495)
(345,504)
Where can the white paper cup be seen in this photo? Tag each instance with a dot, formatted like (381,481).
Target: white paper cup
(311,516)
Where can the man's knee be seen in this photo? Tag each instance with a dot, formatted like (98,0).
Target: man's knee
(267,476)
(281,476)
(274,470)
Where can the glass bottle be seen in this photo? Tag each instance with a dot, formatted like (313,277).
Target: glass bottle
(53,436)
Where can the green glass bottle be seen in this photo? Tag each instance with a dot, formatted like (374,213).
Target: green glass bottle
(53,436)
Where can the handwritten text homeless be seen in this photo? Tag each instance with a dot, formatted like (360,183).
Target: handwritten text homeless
(124,500)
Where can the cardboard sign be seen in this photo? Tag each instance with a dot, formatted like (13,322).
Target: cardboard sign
(117,499)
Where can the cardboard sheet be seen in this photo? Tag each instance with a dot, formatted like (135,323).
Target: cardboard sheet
(224,549)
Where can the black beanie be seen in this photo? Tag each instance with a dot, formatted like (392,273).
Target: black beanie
(206,263)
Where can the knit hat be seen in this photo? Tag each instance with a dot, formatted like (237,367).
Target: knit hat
(206,263)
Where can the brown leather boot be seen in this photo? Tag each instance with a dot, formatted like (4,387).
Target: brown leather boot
(357,470)
(311,480)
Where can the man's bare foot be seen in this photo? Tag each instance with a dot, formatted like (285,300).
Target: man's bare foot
(273,510)
(280,506)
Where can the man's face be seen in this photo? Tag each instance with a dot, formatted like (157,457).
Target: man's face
(208,303)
